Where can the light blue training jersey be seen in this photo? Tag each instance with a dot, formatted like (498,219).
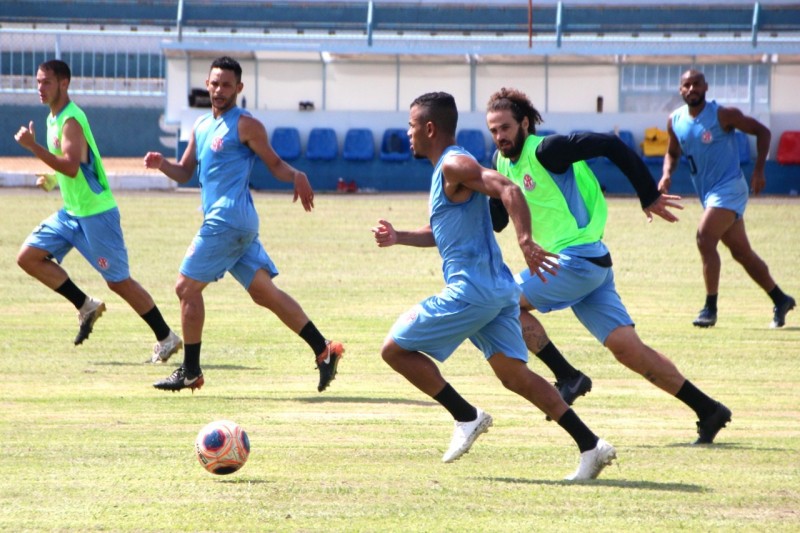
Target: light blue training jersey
(224,165)
(472,263)
(712,153)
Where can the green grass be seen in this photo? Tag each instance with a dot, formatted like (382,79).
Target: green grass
(91,446)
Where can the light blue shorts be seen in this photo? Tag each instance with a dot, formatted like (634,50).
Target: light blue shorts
(732,195)
(585,287)
(438,325)
(216,250)
(98,238)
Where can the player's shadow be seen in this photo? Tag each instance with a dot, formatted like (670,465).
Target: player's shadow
(243,481)
(619,483)
(371,400)
(169,365)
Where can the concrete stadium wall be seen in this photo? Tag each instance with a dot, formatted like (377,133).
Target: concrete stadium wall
(119,132)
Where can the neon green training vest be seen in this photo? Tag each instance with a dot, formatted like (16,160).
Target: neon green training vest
(81,198)
(554,227)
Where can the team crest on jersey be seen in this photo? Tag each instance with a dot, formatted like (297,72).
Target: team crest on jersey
(57,142)
(528,183)
(216,144)
(102,262)
(411,315)
(706,137)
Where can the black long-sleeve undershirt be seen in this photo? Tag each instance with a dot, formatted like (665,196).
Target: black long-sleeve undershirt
(557,153)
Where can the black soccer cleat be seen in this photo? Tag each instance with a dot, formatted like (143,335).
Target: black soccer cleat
(779,317)
(706,318)
(181,379)
(327,362)
(708,428)
(570,389)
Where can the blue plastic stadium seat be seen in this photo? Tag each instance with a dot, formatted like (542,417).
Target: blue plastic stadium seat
(322,145)
(395,145)
(286,143)
(743,144)
(359,145)
(474,142)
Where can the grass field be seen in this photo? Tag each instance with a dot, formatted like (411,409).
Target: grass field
(91,446)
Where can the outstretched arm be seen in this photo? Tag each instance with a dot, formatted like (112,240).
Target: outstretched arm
(254,135)
(181,171)
(73,148)
(386,235)
(671,159)
(730,118)
(463,174)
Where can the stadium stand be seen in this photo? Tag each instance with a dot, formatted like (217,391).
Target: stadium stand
(322,145)
(286,143)
(395,145)
(359,145)
(654,145)
(474,142)
(789,148)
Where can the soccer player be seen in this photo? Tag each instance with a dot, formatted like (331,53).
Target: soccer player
(223,148)
(480,299)
(568,216)
(89,220)
(704,132)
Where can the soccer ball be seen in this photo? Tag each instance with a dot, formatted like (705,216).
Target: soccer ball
(222,447)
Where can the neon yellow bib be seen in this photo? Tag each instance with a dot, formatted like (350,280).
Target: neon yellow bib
(554,226)
(84,195)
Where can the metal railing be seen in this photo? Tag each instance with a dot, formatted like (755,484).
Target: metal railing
(103,63)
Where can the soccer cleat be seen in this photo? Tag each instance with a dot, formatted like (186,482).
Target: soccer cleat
(327,362)
(163,350)
(181,379)
(465,434)
(706,319)
(88,314)
(708,428)
(570,389)
(779,318)
(593,461)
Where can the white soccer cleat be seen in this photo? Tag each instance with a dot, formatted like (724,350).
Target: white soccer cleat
(163,350)
(593,461)
(464,434)
(88,314)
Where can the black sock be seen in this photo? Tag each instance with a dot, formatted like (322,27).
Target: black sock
(556,363)
(777,296)
(460,408)
(156,322)
(711,302)
(313,338)
(580,432)
(191,357)
(71,292)
(696,399)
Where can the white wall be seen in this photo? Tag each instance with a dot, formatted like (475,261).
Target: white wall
(783,95)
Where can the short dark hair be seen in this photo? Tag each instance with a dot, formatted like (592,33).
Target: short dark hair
(228,63)
(518,103)
(439,108)
(58,68)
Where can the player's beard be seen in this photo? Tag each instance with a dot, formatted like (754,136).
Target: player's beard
(695,103)
(229,103)
(513,152)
